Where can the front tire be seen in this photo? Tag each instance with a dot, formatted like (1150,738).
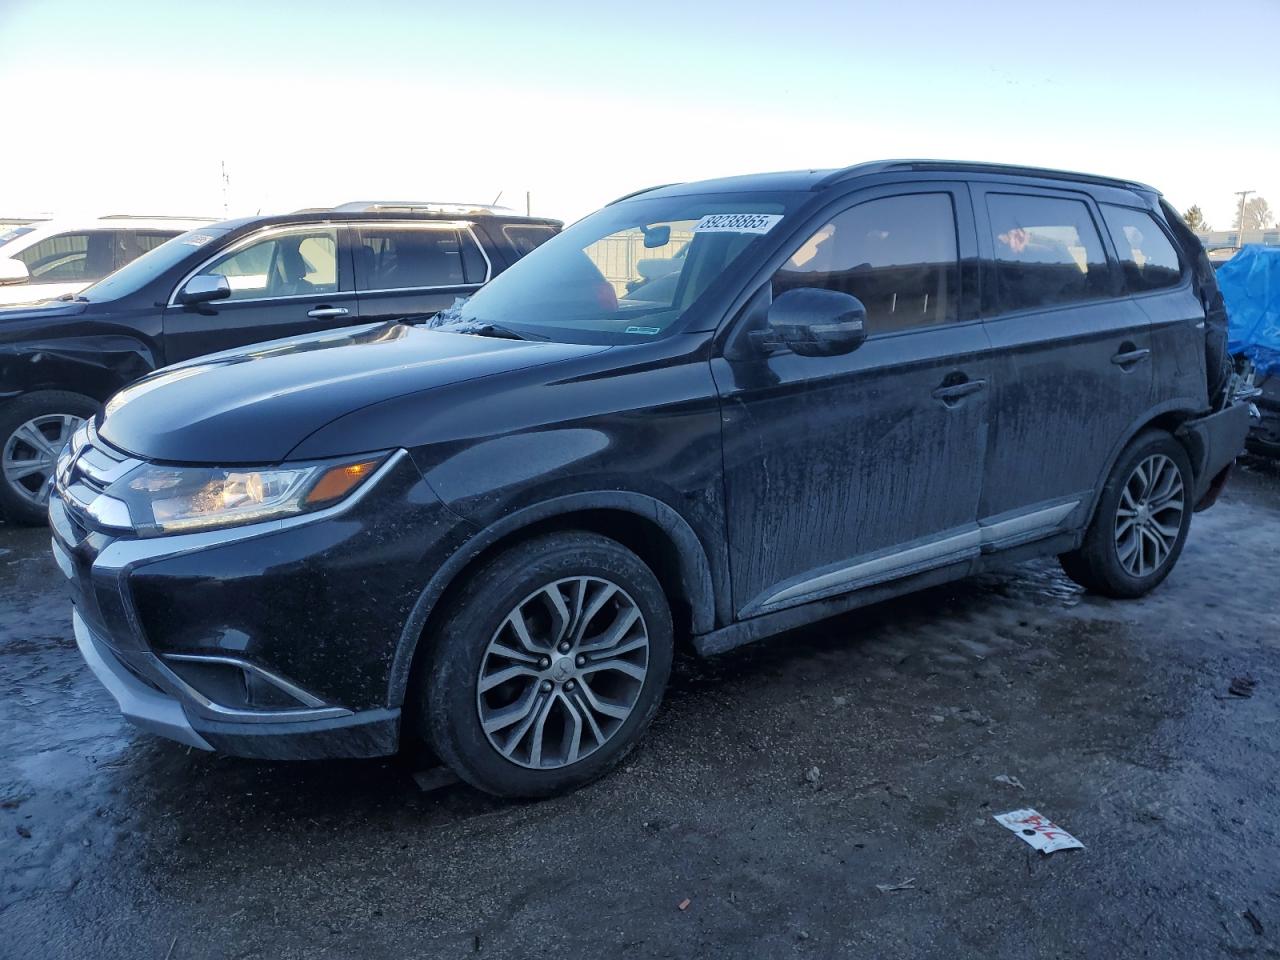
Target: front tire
(548,667)
(33,430)
(1141,523)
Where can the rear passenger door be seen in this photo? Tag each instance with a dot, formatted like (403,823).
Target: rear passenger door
(1071,358)
(412,271)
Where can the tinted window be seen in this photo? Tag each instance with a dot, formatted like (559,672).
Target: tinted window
(70,257)
(526,237)
(897,255)
(396,257)
(284,265)
(1147,258)
(1047,251)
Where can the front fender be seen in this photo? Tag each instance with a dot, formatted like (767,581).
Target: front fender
(95,366)
(695,571)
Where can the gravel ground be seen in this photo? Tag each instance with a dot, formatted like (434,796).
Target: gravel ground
(779,786)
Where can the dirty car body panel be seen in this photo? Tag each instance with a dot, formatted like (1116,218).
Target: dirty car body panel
(764,486)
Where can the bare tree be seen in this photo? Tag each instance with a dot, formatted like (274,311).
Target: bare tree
(1195,219)
(1257,215)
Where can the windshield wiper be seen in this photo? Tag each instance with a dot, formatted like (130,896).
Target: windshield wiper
(484,328)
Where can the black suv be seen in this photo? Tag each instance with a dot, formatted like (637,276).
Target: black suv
(227,285)
(491,532)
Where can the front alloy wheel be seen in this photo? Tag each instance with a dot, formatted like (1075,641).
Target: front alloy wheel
(563,672)
(31,453)
(546,666)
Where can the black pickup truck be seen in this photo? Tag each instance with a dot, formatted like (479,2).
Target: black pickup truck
(227,285)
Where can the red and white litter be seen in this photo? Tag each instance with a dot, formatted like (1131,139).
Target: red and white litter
(1038,830)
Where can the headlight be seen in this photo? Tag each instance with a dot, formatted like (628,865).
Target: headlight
(162,500)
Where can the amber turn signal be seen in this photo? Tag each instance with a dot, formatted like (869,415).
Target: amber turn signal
(339,481)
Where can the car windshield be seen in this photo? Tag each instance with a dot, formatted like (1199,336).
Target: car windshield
(627,273)
(133,275)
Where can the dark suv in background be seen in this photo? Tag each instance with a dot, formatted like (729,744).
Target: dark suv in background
(226,285)
(843,386)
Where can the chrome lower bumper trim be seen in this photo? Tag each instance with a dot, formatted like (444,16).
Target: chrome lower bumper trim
(140,704)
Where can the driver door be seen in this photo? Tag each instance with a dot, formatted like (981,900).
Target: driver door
(284,282)
(845,471)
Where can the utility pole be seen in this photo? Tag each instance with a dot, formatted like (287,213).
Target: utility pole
(1242,194)
(225,181)
(528,204)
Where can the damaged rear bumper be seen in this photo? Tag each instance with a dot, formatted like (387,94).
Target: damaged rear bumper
(1213,442)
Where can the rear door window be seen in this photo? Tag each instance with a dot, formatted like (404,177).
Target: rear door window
(1047,251)
(399,257)
(895,254)
(1148,259)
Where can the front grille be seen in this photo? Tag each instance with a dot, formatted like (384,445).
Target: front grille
(87,470)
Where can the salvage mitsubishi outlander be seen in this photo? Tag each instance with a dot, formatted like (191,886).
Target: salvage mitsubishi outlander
(705,414)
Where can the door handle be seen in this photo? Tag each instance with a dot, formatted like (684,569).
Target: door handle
(952,393)
(1128,358)
(324,313)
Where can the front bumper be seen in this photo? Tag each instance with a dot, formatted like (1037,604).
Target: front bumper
(270,640)
(141,703)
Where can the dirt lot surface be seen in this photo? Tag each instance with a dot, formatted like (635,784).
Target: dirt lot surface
(780,785)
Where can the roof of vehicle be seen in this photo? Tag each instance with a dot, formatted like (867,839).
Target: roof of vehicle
(815,180)
(390,210)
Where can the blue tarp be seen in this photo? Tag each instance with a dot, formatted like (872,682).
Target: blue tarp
(1250,285)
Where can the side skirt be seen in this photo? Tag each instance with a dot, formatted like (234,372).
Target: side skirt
(770,624)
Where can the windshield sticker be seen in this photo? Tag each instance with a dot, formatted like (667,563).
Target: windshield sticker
(647,331)
(197,240)
(737,223)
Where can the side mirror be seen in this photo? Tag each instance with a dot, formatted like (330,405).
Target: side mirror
(817,323)
(205,288)
(13,271)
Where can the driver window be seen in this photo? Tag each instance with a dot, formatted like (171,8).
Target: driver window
(285,265)
(896,254)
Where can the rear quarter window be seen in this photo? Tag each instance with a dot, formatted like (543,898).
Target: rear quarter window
(1148,258)
(525,238)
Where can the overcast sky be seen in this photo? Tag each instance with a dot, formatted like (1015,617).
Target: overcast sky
(131,105)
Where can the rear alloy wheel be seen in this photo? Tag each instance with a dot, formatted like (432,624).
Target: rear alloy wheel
(1149,516)
(33,431)
(1141,521)
(548,665)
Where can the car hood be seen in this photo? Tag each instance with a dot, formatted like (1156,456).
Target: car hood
(256,404)
(48,310)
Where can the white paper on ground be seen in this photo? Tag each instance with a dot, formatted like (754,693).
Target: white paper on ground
(1038,830)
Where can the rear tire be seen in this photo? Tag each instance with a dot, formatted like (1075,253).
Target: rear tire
(1141,522)
(33,430)
(548,666)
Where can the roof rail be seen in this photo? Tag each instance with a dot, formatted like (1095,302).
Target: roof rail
(971,166)
(636,193)
(422,206)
